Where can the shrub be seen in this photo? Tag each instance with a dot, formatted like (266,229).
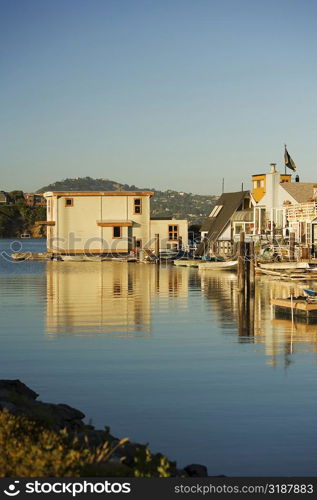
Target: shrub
(29,450)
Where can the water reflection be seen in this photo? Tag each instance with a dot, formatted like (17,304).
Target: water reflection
(120,299)
(255,322)
(105,297)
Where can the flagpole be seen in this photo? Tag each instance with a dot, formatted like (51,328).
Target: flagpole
(284,158)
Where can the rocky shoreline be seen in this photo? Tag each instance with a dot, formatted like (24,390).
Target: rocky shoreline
(21,401)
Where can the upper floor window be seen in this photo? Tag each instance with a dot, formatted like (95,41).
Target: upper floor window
(173,232)
(69,202)
(117,232)
(137,205)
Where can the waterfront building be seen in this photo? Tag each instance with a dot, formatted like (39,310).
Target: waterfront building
(113,222)
(233,212)
(302,218)
(274,207)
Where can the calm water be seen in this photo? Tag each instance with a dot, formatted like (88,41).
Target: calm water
(160,355)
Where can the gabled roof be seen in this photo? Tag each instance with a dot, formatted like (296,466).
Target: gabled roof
(230,203)
(300,191)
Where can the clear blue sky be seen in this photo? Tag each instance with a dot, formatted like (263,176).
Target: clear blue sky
(166,93)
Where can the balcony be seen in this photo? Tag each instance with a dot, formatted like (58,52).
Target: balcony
(302,212)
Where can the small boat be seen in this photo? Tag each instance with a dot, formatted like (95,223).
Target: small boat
(229,265)
(272,266)
(309,292)
(81,258)
(25,235)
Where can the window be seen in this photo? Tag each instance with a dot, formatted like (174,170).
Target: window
(173,233)
(69,202)
(215,211)
(137,205)
(117,232)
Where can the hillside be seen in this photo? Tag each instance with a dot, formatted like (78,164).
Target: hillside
(193,207)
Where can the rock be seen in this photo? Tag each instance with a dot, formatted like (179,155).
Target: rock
(6,405)
(19,399)
(196,470)
(9,387)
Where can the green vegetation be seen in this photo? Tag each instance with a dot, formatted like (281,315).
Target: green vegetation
(19,218)
(193,207)
(30,449)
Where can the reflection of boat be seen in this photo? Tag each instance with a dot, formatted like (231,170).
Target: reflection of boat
(25,235)
(81,258)
(219,266)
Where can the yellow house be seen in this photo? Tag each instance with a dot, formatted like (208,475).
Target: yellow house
(113,222)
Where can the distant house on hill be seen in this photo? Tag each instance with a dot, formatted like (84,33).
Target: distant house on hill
(4,198)
(34,200)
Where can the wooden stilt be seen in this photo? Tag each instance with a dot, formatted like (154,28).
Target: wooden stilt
(292,246)
(241,263)
(157,245)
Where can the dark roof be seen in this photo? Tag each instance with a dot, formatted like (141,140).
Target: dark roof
(230,202)
(300,191)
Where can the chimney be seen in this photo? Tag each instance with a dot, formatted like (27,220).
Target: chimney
(297,178)
(273,168)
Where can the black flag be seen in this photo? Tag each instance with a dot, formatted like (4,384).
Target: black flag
(289,163)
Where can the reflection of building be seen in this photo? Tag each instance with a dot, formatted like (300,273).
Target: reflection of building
(280,337)
(254,318)
(107,222)
(107,297)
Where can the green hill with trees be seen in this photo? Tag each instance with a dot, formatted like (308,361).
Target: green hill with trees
(17,218)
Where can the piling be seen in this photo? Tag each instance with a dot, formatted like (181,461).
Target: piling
(251,267)
(157,245)
(292,246)
(241,263)
(134,248)
(180,243)
(247,266)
